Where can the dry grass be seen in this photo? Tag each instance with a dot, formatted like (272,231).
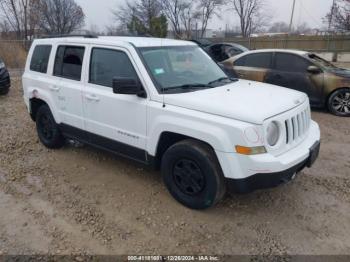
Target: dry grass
(13,53)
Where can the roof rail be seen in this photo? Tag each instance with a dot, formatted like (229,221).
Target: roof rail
(62,36)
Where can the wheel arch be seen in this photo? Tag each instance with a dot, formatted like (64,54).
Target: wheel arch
(332,92)
(168,139)
(34,105)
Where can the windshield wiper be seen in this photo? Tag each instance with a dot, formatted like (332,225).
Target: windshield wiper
(188,87)
(222,79)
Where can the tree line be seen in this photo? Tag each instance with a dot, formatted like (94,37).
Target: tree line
(26,18)
(184,18)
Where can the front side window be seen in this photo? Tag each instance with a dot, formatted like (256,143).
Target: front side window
(69,62)
(291,63)
(182,68)
(40,58)
(107,64)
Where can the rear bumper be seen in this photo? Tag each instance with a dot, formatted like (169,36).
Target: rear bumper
(268,180)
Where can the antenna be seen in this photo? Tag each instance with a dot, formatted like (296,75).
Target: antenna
(163,95)
(291,18)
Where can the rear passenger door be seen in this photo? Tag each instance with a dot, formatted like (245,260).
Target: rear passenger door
(254,66)
(115,121)
(68,68)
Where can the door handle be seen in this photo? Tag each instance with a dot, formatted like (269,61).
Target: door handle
(54,88)
(91,97)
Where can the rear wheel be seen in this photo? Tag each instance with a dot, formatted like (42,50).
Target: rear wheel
(339,102)
(48,131)
(192,174)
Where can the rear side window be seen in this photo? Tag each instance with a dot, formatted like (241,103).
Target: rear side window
(107,64)
(40,58)
(262,60)
(69,62)
(259,60)
(240,62)
(291,63)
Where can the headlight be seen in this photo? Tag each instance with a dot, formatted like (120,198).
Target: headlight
(272,133)
(2,65)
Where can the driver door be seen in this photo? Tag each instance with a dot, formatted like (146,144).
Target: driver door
(290,70)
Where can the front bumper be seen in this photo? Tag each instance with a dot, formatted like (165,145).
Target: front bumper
(266,180)
(266,167)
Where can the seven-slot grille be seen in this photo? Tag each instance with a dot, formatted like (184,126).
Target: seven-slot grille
(297,126)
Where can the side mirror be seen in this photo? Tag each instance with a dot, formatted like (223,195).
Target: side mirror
(128,86)
(314,70)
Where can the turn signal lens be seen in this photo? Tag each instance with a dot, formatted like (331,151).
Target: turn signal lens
(250,150)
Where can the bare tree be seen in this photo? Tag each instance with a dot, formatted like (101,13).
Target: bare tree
(188,19)
(303,28)
(59,16)
(339,16)
(137,14)
(251,15)
(173,9)
(207,9)
(279,27)
(19,16)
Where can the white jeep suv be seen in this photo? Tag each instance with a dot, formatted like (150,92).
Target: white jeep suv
(166,103)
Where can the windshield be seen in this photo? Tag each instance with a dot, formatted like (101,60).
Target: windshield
(182,69)
(320,61)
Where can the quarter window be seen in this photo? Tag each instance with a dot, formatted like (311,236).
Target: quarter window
(107,64)
(40,58)
(291,63)
(69,62)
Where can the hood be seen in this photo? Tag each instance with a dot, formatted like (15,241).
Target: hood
(243,100)
(341,72)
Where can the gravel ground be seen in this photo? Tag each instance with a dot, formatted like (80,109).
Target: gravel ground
(79,200)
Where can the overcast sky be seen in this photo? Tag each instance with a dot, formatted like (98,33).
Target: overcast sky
(98,12)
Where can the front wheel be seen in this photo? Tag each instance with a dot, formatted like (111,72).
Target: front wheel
(4,91)
(192,174)
(48,131)
(339,102)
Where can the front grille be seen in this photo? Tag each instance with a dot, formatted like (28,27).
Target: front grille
(297,126)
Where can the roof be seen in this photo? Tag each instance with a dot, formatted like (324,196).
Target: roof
(113,40)
(291,51)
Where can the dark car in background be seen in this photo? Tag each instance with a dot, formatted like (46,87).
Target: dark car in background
(5,81)
(223,51)
(326,85)
(220,52)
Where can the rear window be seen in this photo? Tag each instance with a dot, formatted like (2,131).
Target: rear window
(69,62)
(40,58)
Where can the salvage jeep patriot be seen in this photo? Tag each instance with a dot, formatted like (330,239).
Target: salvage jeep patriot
(168,104)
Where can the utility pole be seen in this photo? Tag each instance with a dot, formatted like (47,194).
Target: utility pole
(330,26)
(291,18)
(331,17)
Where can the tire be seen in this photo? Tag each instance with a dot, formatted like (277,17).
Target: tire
(4,91)
(192,174)
(339,102)
(48,131)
